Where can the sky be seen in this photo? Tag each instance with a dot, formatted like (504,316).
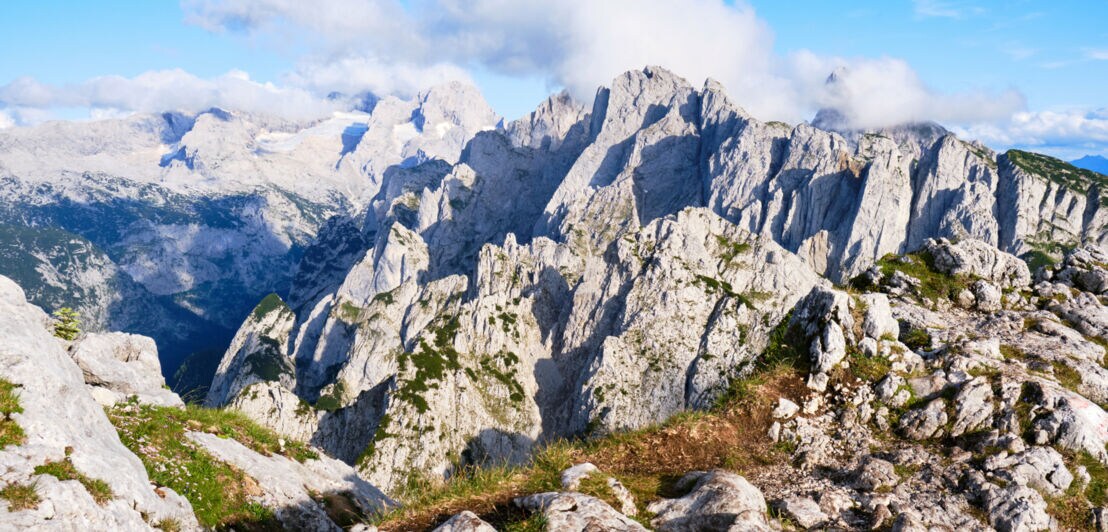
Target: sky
(1019,73)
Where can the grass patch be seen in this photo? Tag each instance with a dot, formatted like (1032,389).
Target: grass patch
(1066,375)
(920,265)
(168,525)
(10,431)
(1072,508)
(332,401)
(1011,352)
(730,248)
(20,496)
(916,338)
(868,369)
(268,304)
(101,492)
(221,495)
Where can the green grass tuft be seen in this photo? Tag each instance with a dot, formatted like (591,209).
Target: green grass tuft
(20,496)
(10,431)
(101,492)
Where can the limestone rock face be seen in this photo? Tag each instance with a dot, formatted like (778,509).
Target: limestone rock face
(289,486)
(259,352)
(589,269)
(119,365)
(61,420)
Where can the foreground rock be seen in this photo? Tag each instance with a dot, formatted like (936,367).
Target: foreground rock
(66,467)
(292,487)
(118,366)
(63,423)
(574,512)
(718,501)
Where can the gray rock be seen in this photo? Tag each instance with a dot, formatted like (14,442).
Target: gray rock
(785,408)
(572,477)
(122,365)
(1017,508)
(986,296)
(575,512)
(287,485)
(878,321)
(1041,468)
(719,500)
(465,522)
(977,258)
(60,420)
(973,407)
(804,511)
(874,473)
(924,423)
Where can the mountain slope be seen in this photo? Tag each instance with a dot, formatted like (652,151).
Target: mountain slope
(622,274)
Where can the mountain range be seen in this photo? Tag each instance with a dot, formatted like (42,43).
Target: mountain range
(1096,163)
(420,288)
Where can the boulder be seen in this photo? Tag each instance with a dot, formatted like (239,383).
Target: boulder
(465,522)
(978,259)
(119,365)
(574,512)
(719,500)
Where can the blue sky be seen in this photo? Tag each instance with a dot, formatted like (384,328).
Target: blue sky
(1014,73)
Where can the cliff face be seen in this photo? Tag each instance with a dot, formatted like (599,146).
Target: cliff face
(582,271)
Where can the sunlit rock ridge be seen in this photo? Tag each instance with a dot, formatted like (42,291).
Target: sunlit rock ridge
(589,269)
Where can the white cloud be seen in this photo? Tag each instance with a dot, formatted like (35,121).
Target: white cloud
(1068,133)
(164,90)
(354,75)
(387,47)
(583,44)
(6,120)
(1097,55)
(879,92)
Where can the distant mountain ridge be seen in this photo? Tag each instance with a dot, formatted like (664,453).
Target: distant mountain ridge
(1096,163)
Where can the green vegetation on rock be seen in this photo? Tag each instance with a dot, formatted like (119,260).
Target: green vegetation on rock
(221,495)
(20,496)
(101,492)
(1058,171)
(10,431)
(268,304)
(67,326)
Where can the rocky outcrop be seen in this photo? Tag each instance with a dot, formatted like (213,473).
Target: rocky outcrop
(77,470)
(118,366)
(718,500)
(977,259)
(577,513)
(258,353)
(596,269)
(61,422)
(292,487)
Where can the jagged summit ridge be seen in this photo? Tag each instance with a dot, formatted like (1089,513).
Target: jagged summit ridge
(588,271)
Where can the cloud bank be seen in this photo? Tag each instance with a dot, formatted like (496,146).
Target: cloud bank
(389,47)
(583,44)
